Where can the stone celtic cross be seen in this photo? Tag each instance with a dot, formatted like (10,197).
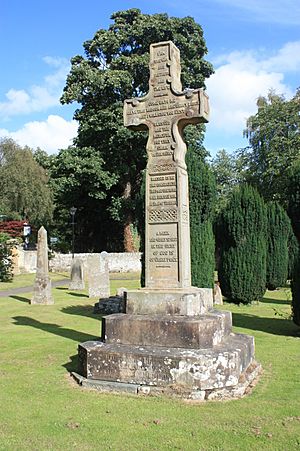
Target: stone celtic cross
(165,111)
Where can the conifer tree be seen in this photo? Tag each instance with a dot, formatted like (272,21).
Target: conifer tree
(202,195)
(242,271)
(295,286)
(279,228)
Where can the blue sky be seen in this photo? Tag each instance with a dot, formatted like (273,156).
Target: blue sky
(253,44)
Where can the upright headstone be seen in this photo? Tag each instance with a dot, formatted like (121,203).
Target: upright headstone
(77,276)
(98,276)
(218,298)
(170,337)
(42,285)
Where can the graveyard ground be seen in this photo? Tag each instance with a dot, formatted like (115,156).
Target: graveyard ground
(42,409)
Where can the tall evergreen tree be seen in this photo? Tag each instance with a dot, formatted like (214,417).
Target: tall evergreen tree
(295,286)
(293,197)
(242,270)
(202,195)
(278,233)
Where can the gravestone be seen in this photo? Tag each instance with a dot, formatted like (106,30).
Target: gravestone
(77,277)
(42,285)
(98,276)
(170,340)
(218,297)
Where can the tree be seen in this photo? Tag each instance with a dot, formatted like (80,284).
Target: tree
(278,234)
(115,67)
(274,138)
(242,270)
(25,193)
(295,286)
(293,197)
(5,258)
(228,173)
(202,193)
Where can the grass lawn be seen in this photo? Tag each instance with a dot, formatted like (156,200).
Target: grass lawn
(42,409)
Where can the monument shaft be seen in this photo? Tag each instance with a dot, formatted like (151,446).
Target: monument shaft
(164,112)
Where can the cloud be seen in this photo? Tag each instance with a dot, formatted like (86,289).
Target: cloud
(51,135)
(37,98)
(240,78)
(285,12)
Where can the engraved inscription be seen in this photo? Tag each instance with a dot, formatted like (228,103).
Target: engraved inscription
(162,190)
(163,250)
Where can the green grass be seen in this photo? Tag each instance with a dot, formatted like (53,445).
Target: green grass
(42,409)
(25,280)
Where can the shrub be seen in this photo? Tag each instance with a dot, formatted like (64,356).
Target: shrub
(12,228)
(293,249)
(5,258)
(242,232)
(295,286)
(279,228)
(202,196)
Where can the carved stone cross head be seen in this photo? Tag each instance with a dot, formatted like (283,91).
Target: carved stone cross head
(166,109)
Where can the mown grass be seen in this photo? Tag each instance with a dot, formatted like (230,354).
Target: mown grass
(26,280)
(42,409)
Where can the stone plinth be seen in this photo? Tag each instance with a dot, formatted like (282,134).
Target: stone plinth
(190,302)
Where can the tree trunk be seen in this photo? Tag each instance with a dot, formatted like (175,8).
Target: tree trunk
(128,238)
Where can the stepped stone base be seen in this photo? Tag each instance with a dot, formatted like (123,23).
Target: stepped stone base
(246,382)
(203,331)
(169,342)
(187,370)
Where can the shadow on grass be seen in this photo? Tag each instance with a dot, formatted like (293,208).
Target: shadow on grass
(275,326)
(82,310)
(78,295)
(55,329)
(21,298)
(62,288)
(72,365)
(275,301)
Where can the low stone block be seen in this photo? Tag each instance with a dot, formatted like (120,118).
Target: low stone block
(109,306)
(196,332)
(190,302)
(191,369)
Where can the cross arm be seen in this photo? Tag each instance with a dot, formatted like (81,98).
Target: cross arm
(134,114)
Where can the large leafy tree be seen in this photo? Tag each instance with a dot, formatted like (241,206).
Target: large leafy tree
(115,67)
(274,138)
(227,169)
(25,193)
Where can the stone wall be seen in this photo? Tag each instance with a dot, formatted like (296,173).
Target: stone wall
(25,262)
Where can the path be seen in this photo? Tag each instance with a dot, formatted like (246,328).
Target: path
(29,289)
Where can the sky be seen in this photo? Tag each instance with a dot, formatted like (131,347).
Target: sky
(254,46)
